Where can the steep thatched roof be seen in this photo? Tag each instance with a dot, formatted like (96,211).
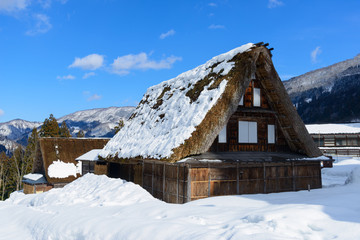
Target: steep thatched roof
(183,116)
(66,150)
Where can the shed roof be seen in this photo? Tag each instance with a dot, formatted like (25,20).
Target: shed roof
(34,178)
(334,128)
(92,155)
(182,116)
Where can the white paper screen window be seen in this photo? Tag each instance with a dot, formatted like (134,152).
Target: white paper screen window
(222,135)
(271,133)
(252,132)
(241,101)
(247,132)
(257,97)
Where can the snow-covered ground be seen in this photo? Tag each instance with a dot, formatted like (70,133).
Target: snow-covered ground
(98,207)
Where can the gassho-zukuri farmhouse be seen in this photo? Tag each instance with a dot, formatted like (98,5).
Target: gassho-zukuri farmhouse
(226,127)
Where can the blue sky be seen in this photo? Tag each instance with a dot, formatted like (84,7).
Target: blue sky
(62,56)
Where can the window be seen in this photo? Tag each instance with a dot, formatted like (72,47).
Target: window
(271,134)
(222,135)
(241,101)
(257,102)
(247,132)
(88,167)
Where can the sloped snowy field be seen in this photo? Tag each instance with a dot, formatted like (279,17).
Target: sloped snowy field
(97,207)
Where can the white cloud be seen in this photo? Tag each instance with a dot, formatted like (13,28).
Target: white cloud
(94,97)
(90,62)
(167,34)
(123,65)
(45,3)
(13,5)
(2,112)
(314,54)
(275,3)
(89,74)
(216,26)
(42,25)
(68,77)
(212,4)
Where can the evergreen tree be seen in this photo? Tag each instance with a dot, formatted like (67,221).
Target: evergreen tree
(80,134)
(64,130)
(32,147)
(50,127)
(4,175)
(119,126)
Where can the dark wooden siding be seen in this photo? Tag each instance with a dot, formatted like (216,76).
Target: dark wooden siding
(180,183)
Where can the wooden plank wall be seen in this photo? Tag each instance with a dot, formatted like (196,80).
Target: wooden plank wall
(180,183)
(250,178)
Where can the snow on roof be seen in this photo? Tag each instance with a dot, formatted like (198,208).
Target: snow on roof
(92,155)
(34,178)
(168,115)
(333,128)
(60,169)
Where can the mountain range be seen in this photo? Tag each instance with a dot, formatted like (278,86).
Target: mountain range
(328,95)
(98,122)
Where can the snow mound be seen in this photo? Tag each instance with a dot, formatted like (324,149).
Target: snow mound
(91,190)
(354,177)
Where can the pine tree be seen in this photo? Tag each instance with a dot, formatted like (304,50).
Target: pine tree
(64,130)
(32,147)
(50,127)
(119,126)
(80,134)
(4,175)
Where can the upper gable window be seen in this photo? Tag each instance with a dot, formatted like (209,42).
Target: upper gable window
(241,101)
(257,98)
(222,135)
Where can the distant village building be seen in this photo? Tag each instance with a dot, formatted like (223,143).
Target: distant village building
(56,163)
(336,139)
(225,127)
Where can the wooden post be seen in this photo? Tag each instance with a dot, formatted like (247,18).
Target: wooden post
(209,181)
(152,179)
(264,170)
(142,173)
(183,196)
(237,179)
(189,184)
(293,176)
(177,184)
(163,197)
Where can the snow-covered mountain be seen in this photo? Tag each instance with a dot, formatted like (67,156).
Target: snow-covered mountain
(328,95)
(323,77)
(98,122)
(15,129)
